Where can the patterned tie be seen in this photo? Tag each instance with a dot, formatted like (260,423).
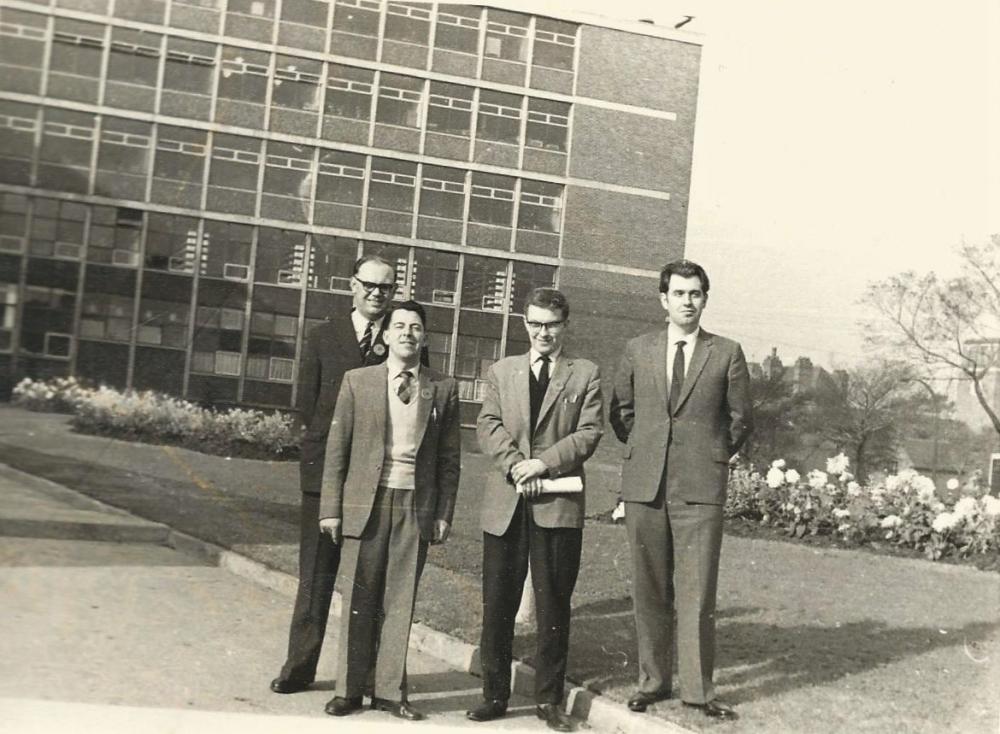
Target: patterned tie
(543,373)
(366,341)
(677,378)
(405,389)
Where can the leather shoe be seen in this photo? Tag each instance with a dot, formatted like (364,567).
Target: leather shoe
(399,709)
(340,706)
(284,685)
(488,710)
(553,717)
(642,700)
(715,710)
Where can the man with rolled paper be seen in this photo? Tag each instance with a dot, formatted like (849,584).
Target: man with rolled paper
(541,419)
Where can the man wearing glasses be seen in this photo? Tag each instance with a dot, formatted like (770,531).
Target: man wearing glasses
(540,421)
(341,343)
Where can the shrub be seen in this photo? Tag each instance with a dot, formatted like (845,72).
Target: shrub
(59,395)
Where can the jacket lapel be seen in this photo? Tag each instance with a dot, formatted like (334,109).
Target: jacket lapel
(557,381)
(702,350)
(522,396)
(426,392)
(374,400)
(659,358)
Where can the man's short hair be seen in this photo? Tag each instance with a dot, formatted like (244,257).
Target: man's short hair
(548,298)
(372,259)
(685,269)
(410,306)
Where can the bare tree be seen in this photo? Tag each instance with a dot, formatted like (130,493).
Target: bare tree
(951,324)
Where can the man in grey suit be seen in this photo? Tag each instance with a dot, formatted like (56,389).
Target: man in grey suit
(681,404)
(541,419)
(389,487)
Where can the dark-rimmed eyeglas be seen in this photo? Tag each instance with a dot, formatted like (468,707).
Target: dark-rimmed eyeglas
(550,325)
(383,288)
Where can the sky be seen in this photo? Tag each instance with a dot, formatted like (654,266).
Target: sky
(836,143)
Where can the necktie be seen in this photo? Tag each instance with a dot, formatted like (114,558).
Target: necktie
(543,373)
(677,377)
(366,341)
(405,389)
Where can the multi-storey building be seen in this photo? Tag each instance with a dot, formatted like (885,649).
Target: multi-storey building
(185,184)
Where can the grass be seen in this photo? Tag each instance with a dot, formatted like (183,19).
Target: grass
(811,638)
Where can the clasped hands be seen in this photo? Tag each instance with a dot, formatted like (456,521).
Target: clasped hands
(529,473)
(332,527)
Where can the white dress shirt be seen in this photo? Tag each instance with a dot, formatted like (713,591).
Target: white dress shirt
(536,364)
(674,336)
(361,323)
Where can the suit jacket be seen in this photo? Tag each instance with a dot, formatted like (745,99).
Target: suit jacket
(712,420)
(330,350)
(570,425)
(355,449)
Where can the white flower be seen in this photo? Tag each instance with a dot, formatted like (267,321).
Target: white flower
(843,527)
(775,477)
(952,484)
(778,463)
(619,511)
(838,464)
(840,514)
(966,507)
(945,521)
(846,476)
(792,476)
(817,479)
(853,489)
(891,521)
(924,487)
(892,482)
(991,505)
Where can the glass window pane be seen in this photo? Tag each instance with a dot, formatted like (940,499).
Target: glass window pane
(349,92)
(449,109)
(484,283)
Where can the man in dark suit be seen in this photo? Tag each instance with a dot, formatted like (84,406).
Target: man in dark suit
(389,487)
(681,403)
(541,419)
(344,342)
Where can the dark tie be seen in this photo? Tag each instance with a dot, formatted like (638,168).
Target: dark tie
(677,378)
(543,373)
(405,389)
(366,341)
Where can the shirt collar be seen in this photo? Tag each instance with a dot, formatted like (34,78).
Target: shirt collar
(361,323)
(395,369)
(533,356)
(674,335)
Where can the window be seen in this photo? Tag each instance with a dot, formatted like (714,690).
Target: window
(506,36)
(287,177)
(303,24)
(57,229)
(172,243)
(331,263)
(134,58)
(280,257)
(541,206)
(555,44)
(548,125)
(392,185)
(22,48)
(296,84)
(200,15)
(399,100)
(218,331)
(163,322)
(13,222)
(476,354)
(147,11)
(67,142)
(179,165)
(115,234)
(408,22)
(77,49)
(349,92)
(341,178)
(233,175)
(274,324)
(123,158)
(438,350)
(18,125)
(358,17)
(8,315)
(435,277)
(499,117)
(106,316)
(253,19)
(528,276)
(484,284)
(225,250)
(47,321)
(442,192)
(458,28)
(244,75)
(188,76)
(449,109)
(492,199)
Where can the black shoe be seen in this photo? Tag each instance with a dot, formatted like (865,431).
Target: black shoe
(284,685)
(489,709)
(715,710)
(340,706)
(553,717)
(642,700)
(399,709)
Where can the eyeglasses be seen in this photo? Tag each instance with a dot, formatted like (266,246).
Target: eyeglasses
(383,288)
(550,325)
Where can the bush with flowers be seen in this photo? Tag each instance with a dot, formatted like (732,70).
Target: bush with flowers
(157,418)
(902,509)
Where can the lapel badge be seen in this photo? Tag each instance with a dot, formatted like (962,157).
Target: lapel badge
(379,349)
(426,393)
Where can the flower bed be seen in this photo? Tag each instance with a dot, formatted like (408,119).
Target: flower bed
(157,418)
